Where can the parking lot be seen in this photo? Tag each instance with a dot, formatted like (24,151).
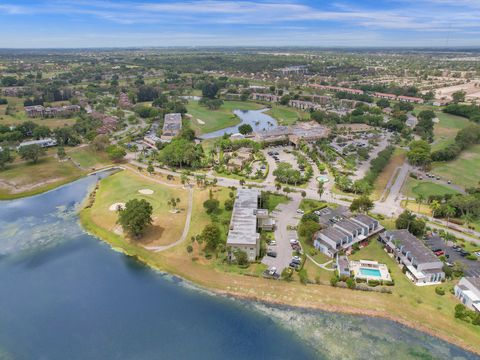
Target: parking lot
(472,268)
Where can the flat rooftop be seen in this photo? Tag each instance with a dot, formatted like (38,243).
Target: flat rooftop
(412,244)
(243,225)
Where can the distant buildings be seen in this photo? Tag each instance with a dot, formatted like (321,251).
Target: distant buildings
(421,265)
(109,123)
(468,292)
(246,220)
(380,95)
(293,70)
(307,131)
(45,112)
(304,105)
(266,97)
(337,89)
(172,126)
(342,231)
(410,99)
(13,91)
(47,142)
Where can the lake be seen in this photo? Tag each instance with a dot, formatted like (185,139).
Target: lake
(66,295)
(257,119)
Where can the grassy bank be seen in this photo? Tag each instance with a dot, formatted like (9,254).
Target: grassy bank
(22,179)
(286,115)
(414,188)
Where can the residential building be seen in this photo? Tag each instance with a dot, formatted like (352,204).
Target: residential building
(337,89)
(384,96)
(266,97)
(308,131)
(343,266)
(247,218)
(57,111)
(421,265)
(47,142)
(304,105)
(342,231)
(124,101)
(410,99)
(322,99)
(172,126)
(468,291)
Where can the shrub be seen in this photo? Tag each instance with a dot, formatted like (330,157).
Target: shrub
(373,283)
(351,283)
(471,257)
(287,274)
(389,283)
(303,276)
(334,280)
(440,290)
(189,249)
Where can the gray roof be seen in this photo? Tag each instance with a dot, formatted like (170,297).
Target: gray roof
(349,225)
(328,213)
(334,234)
(172,123)
(365,219)
(412,244)
(474,280)
(243,226)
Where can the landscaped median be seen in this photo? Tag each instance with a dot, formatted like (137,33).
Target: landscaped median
(418,307)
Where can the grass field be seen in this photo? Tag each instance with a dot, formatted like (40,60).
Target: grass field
(397,159)
(123,186)
(24,178)
(217,119)
(446,130)
(463,171)
(413,188)
(19,116)
(286,115)
(88,158)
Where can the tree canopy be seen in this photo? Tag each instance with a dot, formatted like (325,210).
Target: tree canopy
(136,216)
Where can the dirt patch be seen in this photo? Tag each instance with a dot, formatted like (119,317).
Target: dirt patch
(145,191)
(116,206)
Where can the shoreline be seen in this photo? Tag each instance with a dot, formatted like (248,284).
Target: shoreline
(270,301)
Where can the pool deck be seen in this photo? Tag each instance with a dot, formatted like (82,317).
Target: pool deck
(357,266)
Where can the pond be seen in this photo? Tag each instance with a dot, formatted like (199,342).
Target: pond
(66,295)
(257,119)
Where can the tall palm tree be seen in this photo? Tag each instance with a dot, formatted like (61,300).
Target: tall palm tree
(419,200)
(435,205)
(449,211)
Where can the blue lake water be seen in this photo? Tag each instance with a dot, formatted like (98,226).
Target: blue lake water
(257,119)
(66,295)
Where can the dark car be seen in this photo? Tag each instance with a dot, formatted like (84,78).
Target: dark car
(296,261)
(272,254)
(294,265)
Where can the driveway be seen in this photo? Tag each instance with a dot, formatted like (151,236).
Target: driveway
(284,214)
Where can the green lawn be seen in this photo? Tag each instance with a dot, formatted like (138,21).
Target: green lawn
(88,158)
(309,205)
(414,188)
(166,228)
(464,170)
(217,119)
(274,200)
(446,130)
(25,178)
(286,115)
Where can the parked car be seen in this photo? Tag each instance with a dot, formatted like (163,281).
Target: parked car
(273,243)
(300,211)
(293,241)
(449,264)
(272,270)
(297,258)
(477,253)
(449,181)
(298,262)
(439,253)
(272,254)
(317,212)
(294,265)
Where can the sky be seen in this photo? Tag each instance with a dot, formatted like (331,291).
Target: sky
(159,23)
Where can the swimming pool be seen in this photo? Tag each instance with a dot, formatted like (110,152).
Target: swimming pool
(370,272)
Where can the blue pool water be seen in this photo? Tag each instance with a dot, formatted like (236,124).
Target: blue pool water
(370,272)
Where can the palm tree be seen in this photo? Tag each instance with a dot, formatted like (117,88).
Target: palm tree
(320,190)
(419,200)
(449,211)
(435,205)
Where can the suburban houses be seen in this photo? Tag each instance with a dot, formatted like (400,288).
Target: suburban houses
(171,126)
(308,131)
(246,220)
(266,97)
(421,264)
(468,291)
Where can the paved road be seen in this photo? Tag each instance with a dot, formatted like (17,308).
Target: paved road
(441,182)
(365,166)
(391,205)
(285,214)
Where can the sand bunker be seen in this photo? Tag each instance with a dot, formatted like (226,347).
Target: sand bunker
(201,122)
(145,191)
(114,207)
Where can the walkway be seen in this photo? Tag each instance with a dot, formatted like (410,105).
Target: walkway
(322,266)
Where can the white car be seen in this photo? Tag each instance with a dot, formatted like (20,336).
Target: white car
(293,241)
(272,270)
(300,211)
(273,243)
(317,212)
(297,258)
